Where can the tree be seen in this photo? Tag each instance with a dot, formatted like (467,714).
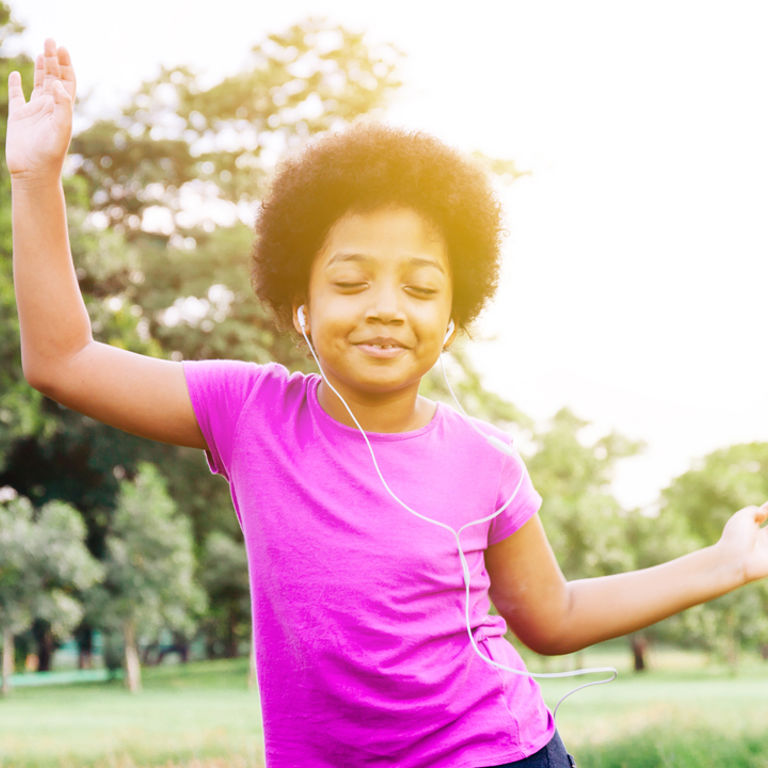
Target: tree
(43,563)
(591,533)
(583,519)
(224,574)
(20,407)
(178,290)
(466,382)
(704,498)
(150,568)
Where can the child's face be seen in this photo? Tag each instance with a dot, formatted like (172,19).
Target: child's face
(379,303)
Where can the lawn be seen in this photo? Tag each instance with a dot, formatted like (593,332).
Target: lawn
(682,713)
(198,716)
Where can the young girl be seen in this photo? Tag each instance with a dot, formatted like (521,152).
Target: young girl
(376,245)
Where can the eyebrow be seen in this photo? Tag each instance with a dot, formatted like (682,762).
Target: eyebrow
(417,261)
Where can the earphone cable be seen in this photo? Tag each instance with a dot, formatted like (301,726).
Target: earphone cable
(457,536)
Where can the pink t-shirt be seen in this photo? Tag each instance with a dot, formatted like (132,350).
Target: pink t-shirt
(362,651)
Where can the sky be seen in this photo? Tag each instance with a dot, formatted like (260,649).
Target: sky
(636,262)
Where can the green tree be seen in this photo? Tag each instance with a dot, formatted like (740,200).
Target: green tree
(178,289)
(224,574)
(43,564)
(704,498)
(20,407)
(590,532)
(150,569)
(584,521)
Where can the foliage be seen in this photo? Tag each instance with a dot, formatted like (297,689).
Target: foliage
(585,523)
(150,562)
(224,574)
(20,407)
(157,208)
(43,565)
(704,498)
(43,562)
(467,384)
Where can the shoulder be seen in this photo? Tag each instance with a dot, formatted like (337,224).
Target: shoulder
(476,433)
(239,379)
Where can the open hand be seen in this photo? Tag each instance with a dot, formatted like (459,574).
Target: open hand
(745,542)
(39,130)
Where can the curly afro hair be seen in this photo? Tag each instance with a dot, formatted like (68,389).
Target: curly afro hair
(363,168)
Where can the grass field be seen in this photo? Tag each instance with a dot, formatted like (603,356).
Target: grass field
(682,713)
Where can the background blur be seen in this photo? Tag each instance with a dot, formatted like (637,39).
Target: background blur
(634,288)
(625,350)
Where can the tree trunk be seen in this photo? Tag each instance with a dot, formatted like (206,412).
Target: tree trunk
(45,645)
(131,659)
(8,662)
(84,637)
(639,645)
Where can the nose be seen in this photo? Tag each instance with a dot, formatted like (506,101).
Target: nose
(385,305)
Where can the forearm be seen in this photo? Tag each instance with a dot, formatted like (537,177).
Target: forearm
(608,606)
(52,315)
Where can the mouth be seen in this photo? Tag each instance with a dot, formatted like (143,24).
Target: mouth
(383,347)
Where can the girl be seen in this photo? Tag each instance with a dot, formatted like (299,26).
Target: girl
(376,246)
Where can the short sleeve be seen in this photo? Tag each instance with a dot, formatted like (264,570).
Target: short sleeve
(524,505)
(219,390)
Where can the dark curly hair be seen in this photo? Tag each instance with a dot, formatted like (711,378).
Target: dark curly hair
(363,168)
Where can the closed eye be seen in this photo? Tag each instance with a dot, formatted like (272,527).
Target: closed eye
(350,286)
(421,290)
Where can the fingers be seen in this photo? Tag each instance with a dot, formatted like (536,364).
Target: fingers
(67,71)
(52,68)
(15,93)
(39,71)
(54,71)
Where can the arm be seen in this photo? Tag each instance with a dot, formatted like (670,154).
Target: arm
(554,616)
(139,394)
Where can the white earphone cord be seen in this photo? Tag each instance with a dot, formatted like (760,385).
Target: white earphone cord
(457,534)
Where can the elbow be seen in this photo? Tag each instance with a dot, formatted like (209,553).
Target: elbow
(552,646)
(547,642)
(35,377)
(40,375)
(51,373)
(549,632)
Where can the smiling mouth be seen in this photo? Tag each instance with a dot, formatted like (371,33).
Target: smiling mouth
(383,348)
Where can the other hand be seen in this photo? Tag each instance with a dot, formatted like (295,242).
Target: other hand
(745,542)
(39,130)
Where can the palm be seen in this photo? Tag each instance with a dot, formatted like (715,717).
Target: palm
(39,130)
(748,541)
(756,566)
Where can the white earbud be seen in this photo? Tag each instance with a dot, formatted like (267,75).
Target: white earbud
(448,333)
(301,317)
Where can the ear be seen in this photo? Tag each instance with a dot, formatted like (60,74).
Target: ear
(300,304)
(450,334)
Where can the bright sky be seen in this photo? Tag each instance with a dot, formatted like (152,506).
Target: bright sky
(636,277)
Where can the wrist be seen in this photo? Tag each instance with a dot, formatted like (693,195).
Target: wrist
(29,181)
(728,566)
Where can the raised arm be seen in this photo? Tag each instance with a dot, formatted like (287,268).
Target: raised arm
(554,616)
(139,394)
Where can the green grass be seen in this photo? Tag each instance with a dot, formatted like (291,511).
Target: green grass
(199,715)
(682,713)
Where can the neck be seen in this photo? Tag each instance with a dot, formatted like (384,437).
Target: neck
(401,411)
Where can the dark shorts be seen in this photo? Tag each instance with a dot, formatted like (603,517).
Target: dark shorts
(551,756)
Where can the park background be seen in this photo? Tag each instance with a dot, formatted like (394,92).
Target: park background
(625,350)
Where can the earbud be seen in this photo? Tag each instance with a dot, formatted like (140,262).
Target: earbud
(448,333)
(301,317)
